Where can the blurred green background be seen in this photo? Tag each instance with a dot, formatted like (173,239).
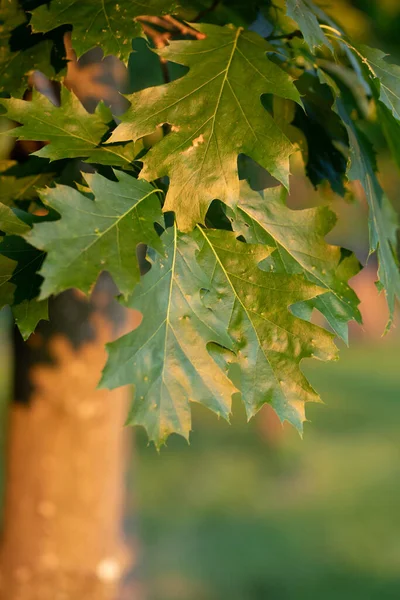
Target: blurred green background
(253,512)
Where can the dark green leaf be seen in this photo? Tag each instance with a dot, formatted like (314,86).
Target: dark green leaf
(325,135)
(26,281)
(16,64)
(241,13)
(19,282)
(302,12)
(383,221)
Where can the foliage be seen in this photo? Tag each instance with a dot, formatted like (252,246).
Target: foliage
(200,154)
(114,23)
(200,173)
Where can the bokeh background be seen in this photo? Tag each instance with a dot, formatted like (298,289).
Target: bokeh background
(251,511)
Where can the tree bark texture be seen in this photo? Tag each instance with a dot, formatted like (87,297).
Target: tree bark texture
(66,458)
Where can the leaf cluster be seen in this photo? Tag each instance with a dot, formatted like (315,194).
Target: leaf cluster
(198,170)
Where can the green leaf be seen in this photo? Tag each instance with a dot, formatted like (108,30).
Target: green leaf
(110,24)
(16,65)
(269,341)
(71,131)
(11,16)
(7,289)
(13,189)
(385,75)
(302,12)
(28,314)
(215,113)
(10,223)
(97,235)
(299,237)
(166,356)
(19,266)
(10,255)
(25,281)
(383,221)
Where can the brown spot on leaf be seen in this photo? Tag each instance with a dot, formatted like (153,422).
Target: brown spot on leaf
(196,142)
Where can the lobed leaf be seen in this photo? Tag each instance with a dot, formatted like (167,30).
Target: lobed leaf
(17,64)
(299,237)
(166,358)
(27,315)
(71,131)
(383,220)
(110,24)
(269,341)
(20,281)
(97,235)
(215,113)
(386,76)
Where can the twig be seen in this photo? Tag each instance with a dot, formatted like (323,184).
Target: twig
(184,28)
(171,24)
(158,21)
(160,39)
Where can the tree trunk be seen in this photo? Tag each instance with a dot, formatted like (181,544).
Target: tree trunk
(66,456)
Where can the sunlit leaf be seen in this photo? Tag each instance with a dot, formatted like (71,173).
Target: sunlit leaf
(215,113)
